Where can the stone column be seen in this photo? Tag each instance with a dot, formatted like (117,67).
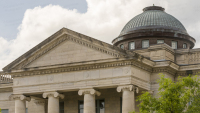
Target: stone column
(40,106)
(89,99)
(20,103)
(53,101)
(128,97)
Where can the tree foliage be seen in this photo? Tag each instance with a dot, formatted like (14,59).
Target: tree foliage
(182,96)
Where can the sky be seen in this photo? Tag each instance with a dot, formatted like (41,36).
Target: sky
(25,23)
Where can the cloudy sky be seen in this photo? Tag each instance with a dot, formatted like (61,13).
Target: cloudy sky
(25,23)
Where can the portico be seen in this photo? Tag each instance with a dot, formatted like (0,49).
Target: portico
(111,99)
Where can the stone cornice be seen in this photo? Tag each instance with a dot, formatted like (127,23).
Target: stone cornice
(88,91)
(184,73)
(53,94)
(20,97)
(84,67)
(190,67)
(165,69)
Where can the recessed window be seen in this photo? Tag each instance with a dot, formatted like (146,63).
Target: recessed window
(4,111)
(145,43)
(100,106)
(122,46)
(131,45)
(61,104)
(185,46)
(160,41)
(174,44)
(80,106)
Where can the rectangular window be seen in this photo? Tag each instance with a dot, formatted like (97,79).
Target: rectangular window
(174,45)
(80,106)
(120,104)
(185,46)
(26,110)
(160,41)
(145,43)
(61,104)
(100,106)
(4,111)
(131,45)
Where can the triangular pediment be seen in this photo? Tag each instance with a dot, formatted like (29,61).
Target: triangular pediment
(66,46)
(69,52)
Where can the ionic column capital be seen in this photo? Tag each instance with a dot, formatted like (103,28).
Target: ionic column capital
(53,94)
(88,91)
(128,87)
(20,97)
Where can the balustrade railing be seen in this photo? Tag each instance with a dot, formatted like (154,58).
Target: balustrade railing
(5,78)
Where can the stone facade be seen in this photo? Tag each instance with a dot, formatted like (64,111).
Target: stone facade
(70,68)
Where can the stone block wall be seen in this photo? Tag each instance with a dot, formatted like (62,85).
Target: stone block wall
(5,103)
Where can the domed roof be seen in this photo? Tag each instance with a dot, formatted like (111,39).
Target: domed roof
(154,17)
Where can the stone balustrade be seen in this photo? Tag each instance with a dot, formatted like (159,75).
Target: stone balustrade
(5,78)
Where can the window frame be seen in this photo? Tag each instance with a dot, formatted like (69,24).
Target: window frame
(79,105)
(176,44)
(143,44)
(185,46)
(129,45)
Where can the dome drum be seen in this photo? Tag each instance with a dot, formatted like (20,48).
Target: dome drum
(152,33)
(153,41)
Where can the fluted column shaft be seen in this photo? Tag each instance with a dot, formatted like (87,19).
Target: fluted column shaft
(128,98)
(53,101)
(89,99)
(20,103)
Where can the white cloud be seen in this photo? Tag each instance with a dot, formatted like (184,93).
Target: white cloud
(103,20)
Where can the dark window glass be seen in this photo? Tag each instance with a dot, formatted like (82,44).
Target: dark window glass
(61,104)
(120,104)
(26,110)
(122,46)
(4,111)
(100,106)
(80,106)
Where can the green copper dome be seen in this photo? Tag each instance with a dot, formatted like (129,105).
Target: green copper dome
(154,18)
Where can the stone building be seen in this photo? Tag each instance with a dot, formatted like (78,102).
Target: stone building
(70,72)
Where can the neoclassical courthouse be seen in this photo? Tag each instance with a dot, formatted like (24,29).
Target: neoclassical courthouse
(72,73)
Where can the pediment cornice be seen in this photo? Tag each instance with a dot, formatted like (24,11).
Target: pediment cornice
(60,37)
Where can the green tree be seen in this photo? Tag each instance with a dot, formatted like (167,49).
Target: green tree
(0,110)
(182,96)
